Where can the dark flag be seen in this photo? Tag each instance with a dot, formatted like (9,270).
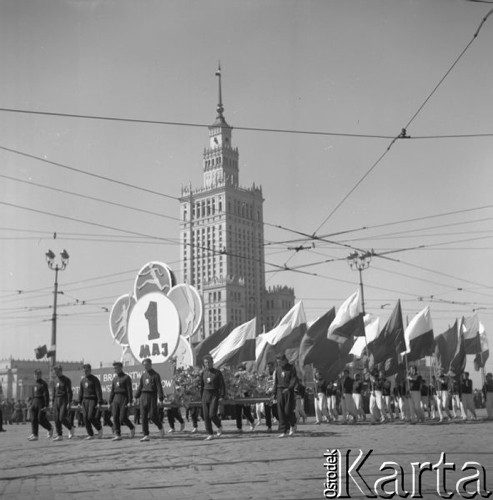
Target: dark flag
(446,347)
(211,342)
(458,362)
(480,359)
(40,352)
(390,341)
(470,329)
(315,347)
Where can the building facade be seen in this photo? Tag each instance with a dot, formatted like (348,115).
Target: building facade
(278,301)
(17,376)
(222,236)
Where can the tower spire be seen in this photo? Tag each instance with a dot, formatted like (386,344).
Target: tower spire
(220,107)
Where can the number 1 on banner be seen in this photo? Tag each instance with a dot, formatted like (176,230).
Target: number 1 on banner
(151,317)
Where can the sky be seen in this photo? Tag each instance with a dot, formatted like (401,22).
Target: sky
(316,92)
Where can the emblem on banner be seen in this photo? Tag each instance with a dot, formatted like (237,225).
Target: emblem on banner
(159,318)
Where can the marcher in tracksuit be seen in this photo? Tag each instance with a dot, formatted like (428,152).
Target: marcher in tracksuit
(91,399)
(40,403)
(62,401)
(212,390)
(285,381)
(120,398)
(148,392)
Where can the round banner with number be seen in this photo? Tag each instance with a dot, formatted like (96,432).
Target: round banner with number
(154,328)
(153,277)
(119,315)
(189,305)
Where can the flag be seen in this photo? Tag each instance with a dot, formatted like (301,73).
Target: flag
(344,357)
(445,347)
(348,321)
(372,327)
(51,351)
(419,336)
(458,361)
(242,338)
(391,338)
(470,329)
(392,365)
(315,347)
(480,359)
(40,352)
(285,338)
(212,341)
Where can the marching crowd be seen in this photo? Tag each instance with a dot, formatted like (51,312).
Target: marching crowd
(345,400)
(411,398)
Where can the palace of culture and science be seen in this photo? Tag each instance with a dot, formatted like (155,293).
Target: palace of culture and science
(222,240)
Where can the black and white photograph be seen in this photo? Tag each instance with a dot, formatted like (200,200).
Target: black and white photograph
(245,249)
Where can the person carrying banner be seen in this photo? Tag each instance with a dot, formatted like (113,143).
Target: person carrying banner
(488,395)
(212,391)
(90,400)
(269,408)
(348,407)
(148,392)
(443,395)
(285,380)
(415,383)
(320,389)
(120,398)
(467,398)
(62,401)
(40,403)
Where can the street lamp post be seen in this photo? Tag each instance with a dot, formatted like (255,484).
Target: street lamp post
(50,259)
(360,261)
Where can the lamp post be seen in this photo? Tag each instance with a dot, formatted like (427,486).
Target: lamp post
(50,259)
(360,261)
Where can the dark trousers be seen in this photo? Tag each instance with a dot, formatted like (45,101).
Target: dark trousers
(210,407)
(90,415)
(270,411)
(241,410)
(38,417)
(285,408)
(60,415)
(174,414)
(148,407)
(119,412)
(194,412)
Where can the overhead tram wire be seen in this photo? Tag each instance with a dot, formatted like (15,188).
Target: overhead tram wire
(158,238)
(176,198)
(403,133)
(97,176)
(188,124)
(93,198)
(279,267)
(376,226)
(83,172)
(239,127)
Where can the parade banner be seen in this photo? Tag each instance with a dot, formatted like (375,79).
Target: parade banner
(105,376)
(159,318)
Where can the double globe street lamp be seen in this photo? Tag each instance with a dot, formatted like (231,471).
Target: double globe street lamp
(360,261)
(54,266)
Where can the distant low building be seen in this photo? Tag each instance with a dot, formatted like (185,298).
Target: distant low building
(17,375)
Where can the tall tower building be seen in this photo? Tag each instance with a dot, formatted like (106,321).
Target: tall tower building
(222,235)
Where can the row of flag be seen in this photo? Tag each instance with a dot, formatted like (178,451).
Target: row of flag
(338,337)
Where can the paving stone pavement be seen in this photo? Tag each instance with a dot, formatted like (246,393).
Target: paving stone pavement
(251,465)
